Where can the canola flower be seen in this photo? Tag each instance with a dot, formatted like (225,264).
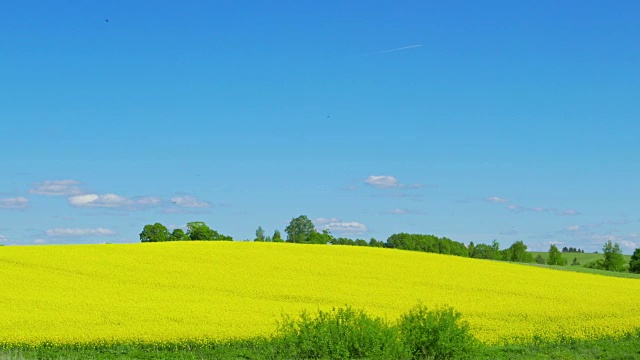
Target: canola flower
(199,291)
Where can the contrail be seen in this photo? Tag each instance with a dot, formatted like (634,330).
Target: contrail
(392,50)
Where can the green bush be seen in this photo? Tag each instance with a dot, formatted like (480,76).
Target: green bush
(338,334)
(352,334)
(438,334)
(596,264)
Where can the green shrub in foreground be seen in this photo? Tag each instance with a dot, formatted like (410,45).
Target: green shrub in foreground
(339,334)
(352,334)
(436,334)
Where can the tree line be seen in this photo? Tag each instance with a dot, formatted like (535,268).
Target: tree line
(196,230)
(572,250)
(302,230)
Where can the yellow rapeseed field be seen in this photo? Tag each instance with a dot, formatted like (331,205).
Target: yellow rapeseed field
(166,292)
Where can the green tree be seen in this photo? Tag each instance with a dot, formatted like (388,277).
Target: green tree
(276,236)
(540,259)
(484,251)
(495,246)
(198,230)
(299,229)
(427,243)
(342,241)
(634,263)
(259,234)
(555,257)
(375,243)
(154,233)
(517,252)
(315,237)
(178,235)
(471,248)
(613,259)
(360,242)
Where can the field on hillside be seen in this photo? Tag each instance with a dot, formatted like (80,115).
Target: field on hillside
(164,292)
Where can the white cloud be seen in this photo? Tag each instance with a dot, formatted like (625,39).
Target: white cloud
(349,227)
(80,232)
(189,201)
(111,201)
(625,241)
(382,181)
(496,199)
(336,225)
(148,200)
(628,244)
(14,203)
(388,182)
(95,200)
(570,212)
(3,239)
(573,228)
(40,241)
(57,187)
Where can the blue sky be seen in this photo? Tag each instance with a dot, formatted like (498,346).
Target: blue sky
(472,120)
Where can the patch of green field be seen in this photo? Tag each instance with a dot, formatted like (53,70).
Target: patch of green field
(583,269)
(583,258)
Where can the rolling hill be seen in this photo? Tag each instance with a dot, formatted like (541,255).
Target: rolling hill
(160,292)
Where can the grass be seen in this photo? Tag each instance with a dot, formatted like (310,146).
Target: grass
(627,348)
